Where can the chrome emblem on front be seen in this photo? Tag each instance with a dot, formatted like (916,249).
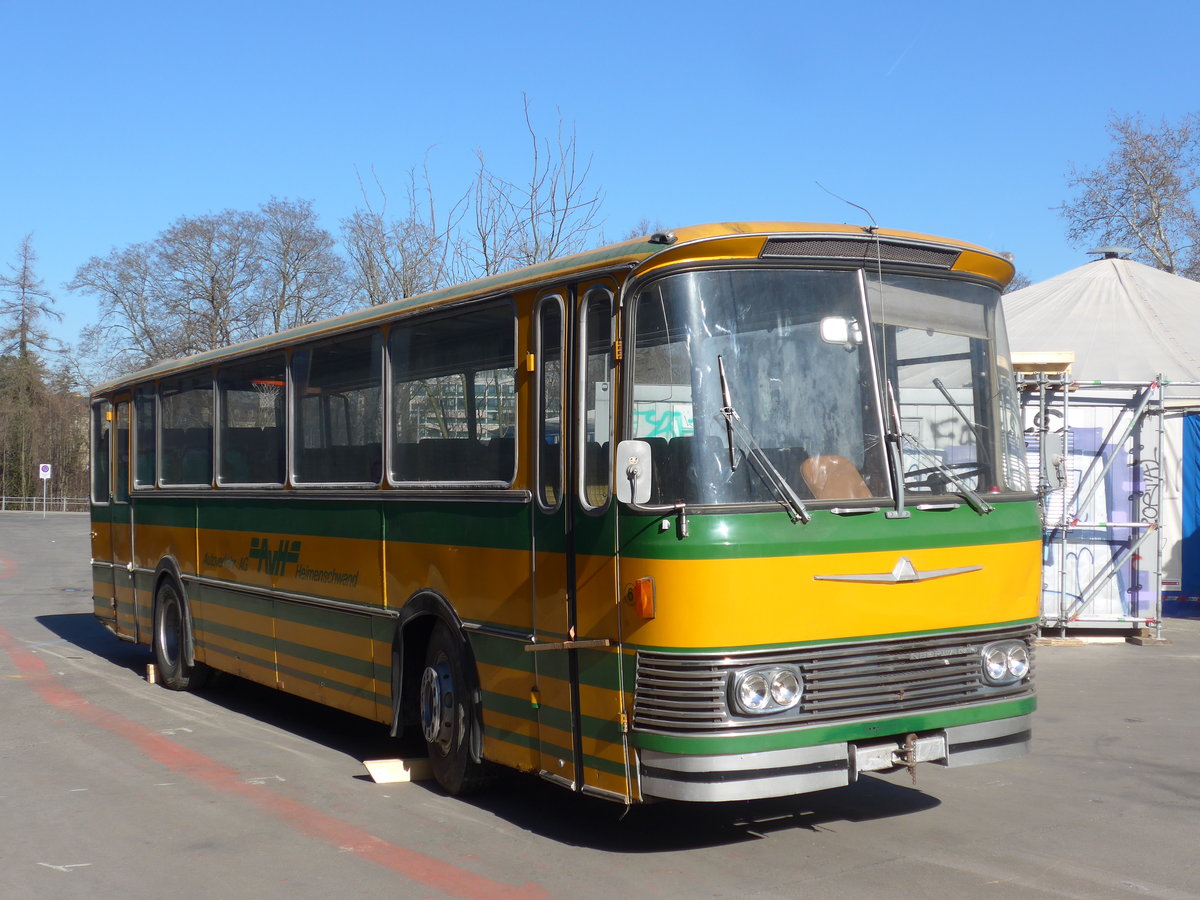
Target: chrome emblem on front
(903,573)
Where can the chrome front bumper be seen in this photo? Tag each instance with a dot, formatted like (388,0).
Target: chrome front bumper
(780,773)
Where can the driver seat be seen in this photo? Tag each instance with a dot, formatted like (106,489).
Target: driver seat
(833,478)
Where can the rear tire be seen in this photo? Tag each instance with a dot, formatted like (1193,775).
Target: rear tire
(171,640)
(448,718)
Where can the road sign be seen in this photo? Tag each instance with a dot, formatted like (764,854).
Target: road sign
(44,471)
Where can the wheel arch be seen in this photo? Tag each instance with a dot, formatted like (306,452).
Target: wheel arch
(418,617)
(168,570)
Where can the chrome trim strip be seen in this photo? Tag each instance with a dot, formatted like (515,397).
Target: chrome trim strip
(497,631)
(743,776)
(433,494)
(361,609)
(904,572)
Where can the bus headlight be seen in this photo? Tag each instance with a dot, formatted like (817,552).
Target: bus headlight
(1005,662)
(766,689)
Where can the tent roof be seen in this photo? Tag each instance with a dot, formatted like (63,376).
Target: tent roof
(1125,321)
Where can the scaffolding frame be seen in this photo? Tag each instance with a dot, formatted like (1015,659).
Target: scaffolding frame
(1129,580)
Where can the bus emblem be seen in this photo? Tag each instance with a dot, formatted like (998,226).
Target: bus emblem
(274,561)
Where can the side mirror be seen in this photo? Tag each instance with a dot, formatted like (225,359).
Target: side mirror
(633,471)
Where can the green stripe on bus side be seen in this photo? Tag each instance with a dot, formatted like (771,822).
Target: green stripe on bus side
(351,665)
(552,717)
(325,683)
(355,626)
(521,708)
(500,652)
(265,642)
(503,526)
(515,738)
(506,526)
(204,643)
(597,668)
(749,535)
(832,734)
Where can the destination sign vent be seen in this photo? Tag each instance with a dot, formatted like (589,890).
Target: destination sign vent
(859,250)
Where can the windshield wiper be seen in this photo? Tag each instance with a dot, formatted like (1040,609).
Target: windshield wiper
(736,432)
(974,501)
(979,442)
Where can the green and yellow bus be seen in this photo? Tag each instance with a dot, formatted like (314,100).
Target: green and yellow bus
(730,512)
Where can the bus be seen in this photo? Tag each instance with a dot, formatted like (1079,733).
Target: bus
(730,512)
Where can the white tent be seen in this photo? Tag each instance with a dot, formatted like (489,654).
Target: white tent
(1123,320)
(1129,323)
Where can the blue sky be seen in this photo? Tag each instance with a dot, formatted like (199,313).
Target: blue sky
(957,119)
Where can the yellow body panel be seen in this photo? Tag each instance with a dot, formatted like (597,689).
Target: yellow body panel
(772,601)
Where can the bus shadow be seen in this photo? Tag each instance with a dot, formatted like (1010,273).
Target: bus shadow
(553,813)
(85,632)
(340,731)
(526,801)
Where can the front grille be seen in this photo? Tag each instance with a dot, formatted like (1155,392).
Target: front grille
(687,692)
(860,250)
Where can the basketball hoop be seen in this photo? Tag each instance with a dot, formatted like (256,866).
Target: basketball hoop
(269,392)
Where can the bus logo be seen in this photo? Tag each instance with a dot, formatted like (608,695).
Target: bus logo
(274,561)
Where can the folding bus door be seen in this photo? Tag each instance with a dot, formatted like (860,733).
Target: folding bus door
(576,624)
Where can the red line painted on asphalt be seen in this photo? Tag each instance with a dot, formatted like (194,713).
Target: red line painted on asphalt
(7,567)
(436,873)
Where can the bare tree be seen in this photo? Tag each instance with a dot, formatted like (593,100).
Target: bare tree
(1143,195)
(496,224)
(212,280)
(24,305)
(302,277)
(552,212)
(396,258)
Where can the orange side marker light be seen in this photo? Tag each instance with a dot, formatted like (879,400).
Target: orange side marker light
(643,597)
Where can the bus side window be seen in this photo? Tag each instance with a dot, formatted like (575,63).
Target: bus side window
(550,396)
(145,436)
(101,450)
(187,432)
(594,407)
(454,396)
(251,436)
(338,410)
(121,442)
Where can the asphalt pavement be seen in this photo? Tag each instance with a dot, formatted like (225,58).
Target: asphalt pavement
(113,787)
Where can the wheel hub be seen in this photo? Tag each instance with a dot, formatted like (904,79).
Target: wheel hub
(437,706)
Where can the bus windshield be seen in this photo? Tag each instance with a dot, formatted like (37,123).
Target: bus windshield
(740,371)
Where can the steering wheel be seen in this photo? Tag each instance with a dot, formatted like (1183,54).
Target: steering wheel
(924,476)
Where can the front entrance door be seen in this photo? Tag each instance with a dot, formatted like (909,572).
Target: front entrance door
(122,524)
(574,562)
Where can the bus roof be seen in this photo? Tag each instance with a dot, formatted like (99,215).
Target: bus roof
(728,240)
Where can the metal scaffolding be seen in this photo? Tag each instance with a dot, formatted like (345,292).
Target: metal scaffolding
(1096,454)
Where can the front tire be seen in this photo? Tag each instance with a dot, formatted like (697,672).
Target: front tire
(171,640)
(448,718)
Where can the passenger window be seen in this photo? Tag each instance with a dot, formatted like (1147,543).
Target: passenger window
(550,394)
(594,402)
(145,436)
(101,451)
(337,396)
(252,437)
(187,439)
(121,443)
(454,397)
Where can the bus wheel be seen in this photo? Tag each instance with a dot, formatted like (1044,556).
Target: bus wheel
(447,716)
(170,633)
